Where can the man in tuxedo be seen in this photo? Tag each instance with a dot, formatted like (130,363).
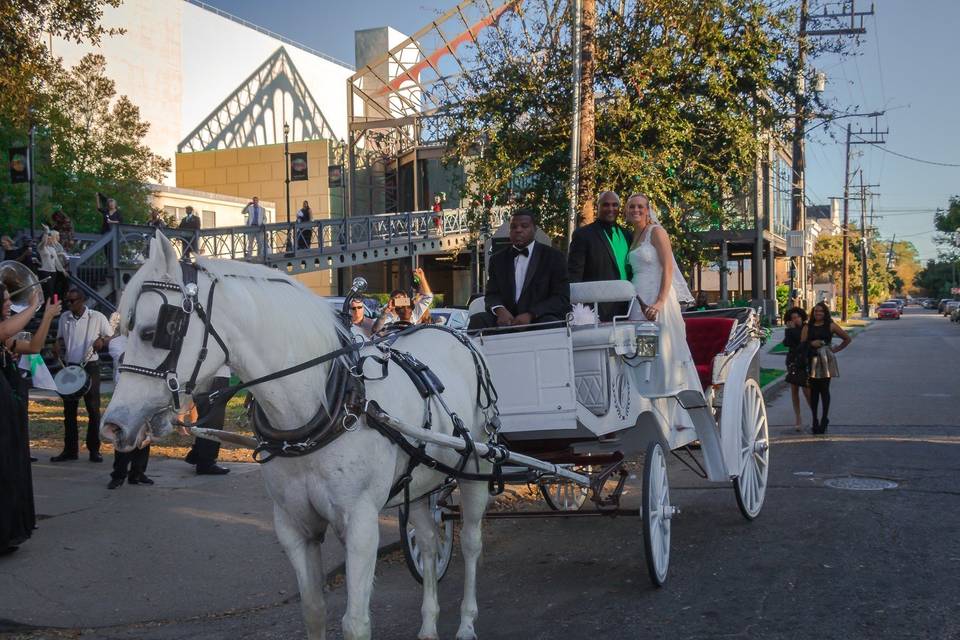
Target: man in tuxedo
(526,283)
(598,251)
(190,222)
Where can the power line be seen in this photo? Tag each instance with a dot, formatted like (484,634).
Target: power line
(921,160)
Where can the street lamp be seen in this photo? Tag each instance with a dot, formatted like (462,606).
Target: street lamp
(286,162)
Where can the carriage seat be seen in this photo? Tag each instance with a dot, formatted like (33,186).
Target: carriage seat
(706,338)
(589,293)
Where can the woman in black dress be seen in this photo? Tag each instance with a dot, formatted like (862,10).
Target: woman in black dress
(818,333)
(797,360)
(17,516)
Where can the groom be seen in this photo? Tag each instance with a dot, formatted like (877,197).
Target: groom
(598,251)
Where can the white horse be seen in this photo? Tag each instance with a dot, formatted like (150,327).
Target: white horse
(269,322)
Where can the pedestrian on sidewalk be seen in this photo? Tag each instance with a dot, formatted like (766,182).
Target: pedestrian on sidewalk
(17,513)
(798,360)
(131,465)
(204,452)
(818,333)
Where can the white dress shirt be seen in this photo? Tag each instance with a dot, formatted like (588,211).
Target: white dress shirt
(79,333)
(520,264)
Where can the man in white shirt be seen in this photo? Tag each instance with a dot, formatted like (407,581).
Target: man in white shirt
(402,309)
(81,334)
(256,217)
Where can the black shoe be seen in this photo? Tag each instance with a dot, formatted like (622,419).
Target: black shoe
(64,456)
(816,430)
(191,457)
(824,424)
(212,470)
(32,459)
(114,483)
(140,479)
(95,457)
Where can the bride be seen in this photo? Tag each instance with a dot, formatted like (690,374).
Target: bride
(661,288)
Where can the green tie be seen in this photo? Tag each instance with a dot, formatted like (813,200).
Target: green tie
(618,243)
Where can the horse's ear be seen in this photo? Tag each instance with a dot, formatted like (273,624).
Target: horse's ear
(162,251)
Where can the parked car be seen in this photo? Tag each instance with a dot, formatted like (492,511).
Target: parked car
(942,304)
(950,307)
(955,314)
(897,302)
(450,317)
(930,303)
(889,310)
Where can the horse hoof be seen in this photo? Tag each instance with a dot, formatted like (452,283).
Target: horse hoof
(466,635)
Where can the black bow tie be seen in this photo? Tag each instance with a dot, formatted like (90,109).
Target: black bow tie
(520,252)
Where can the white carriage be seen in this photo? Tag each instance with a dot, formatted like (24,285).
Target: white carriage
(588,398)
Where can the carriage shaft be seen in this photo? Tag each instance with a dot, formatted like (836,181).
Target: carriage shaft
(459,445)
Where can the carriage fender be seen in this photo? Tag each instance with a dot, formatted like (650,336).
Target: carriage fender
(731,413)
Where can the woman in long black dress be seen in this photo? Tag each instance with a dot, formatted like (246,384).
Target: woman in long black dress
(17,515)
(797,360)
(818,333)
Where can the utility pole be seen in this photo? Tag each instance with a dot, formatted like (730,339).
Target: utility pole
(575,123)
(865,309)
(863,137)
(587,136)
(31,165)
(798,212)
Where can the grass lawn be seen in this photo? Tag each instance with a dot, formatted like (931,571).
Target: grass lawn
(46,430)
(769,375)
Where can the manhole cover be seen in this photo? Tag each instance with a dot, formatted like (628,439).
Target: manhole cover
(861,484)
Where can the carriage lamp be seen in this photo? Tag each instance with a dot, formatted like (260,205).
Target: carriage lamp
(648,339)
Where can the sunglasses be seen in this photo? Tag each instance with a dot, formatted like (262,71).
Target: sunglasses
(357,308)
(72,300)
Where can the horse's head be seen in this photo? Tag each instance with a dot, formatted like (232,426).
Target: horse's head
(142,404)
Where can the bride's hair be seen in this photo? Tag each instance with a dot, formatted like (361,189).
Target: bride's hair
(653,218)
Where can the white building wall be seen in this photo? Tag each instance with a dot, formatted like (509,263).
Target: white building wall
(178,62)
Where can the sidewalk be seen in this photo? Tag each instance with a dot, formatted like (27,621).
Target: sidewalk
(187,546)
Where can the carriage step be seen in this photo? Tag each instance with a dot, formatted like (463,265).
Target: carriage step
(610,445)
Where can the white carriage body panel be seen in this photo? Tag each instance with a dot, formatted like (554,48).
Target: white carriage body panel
(532,372)
(738,370)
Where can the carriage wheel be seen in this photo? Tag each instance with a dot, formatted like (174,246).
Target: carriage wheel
(408,539)
(657,513)
(750,484)
(564,495)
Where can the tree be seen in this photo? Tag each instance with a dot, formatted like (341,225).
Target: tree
(685,93)
(88,140)
(27,63)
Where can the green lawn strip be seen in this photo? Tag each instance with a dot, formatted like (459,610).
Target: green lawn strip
(46,428)
(769,375)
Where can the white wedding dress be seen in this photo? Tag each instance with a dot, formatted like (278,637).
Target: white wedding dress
(674,369)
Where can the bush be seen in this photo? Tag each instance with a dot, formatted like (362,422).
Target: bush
(783,297)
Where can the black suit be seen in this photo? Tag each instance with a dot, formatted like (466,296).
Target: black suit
(591,259)
(190,223)
(546,288)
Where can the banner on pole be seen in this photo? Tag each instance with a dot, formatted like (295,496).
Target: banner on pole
(19,165)
(298,166)
(335,175)
(955,290)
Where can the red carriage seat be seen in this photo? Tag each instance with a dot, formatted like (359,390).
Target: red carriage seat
(707,337)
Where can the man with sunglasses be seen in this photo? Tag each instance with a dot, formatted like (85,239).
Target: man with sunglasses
(358,319)
(79,330)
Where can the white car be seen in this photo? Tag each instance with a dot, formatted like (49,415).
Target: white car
(450,317)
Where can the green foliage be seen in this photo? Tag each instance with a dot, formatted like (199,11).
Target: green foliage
(684,91)
(783,297)
(87,140)
(936,279)
(28,65)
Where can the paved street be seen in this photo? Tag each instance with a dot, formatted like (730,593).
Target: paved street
(819,562)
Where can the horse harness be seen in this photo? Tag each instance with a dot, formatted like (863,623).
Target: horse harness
(345,388)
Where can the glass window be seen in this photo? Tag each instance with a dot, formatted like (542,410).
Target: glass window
(208,219)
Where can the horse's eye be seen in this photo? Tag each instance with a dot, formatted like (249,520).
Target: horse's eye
(147,334)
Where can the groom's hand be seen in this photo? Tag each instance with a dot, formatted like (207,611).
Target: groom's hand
(504,317)
(522,319)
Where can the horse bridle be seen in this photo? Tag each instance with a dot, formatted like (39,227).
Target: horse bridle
(172,324)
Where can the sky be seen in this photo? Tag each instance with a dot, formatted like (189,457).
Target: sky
(905,65)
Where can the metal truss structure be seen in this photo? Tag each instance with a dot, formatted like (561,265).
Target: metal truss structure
(254,114)
(393,102)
